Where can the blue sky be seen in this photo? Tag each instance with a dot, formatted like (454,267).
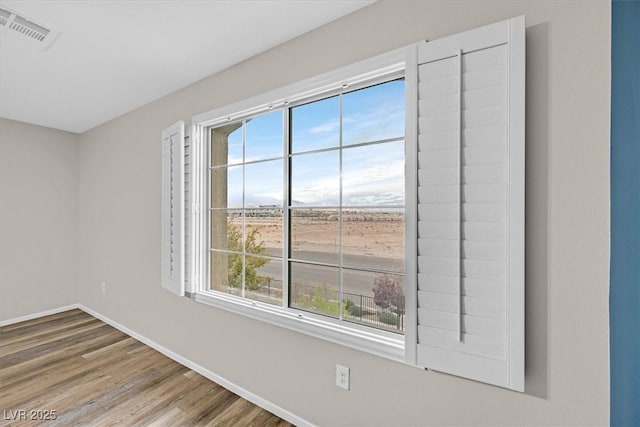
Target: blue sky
(371,175)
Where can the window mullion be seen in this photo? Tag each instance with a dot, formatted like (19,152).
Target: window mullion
(286,143)
(207,150)
(244,212)
(340,226)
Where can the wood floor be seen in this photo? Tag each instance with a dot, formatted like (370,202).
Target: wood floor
(92,374)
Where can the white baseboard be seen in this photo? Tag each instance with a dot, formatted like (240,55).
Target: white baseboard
(36,315)
(234,388)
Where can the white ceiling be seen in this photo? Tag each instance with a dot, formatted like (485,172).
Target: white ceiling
(115,56)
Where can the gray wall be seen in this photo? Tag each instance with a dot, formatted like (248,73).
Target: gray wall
(567,230)
(38,219)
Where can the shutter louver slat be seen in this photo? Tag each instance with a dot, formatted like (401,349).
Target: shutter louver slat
(471,232)
(486,135)
(479,288)
(471,119)
(478,269)
(475,100)
(471,156)
(472,344)
(471,212)
(480,174)
(474,325)
(481,307)
(478,193)
(470,242)
(474,80)
(492,250)
(473,61)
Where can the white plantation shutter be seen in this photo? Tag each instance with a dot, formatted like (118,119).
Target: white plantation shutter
(173,208)
(188,200)
(470,203)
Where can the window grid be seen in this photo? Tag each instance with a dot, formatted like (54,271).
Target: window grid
(287,259)
(340,208)
(243,209)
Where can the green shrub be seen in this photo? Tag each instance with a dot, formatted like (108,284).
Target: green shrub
(388,318)
(355,310)
(252,245)
(348,303)
(319,302)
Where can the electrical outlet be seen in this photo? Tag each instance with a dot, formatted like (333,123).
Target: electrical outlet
(342,377)
(103,287)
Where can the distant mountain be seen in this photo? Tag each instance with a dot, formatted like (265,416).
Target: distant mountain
(254,201)
(357,199)
(261,201)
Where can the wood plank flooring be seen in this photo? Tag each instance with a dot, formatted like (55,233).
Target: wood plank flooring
(90,373)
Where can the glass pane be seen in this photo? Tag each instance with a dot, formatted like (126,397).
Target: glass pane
(226,272)
(314,288)
(263,184)
(374,299)
(263,280)
(315,179)
(315,235)
(264,231)
(373,174)
(374,113)
(315,125)
(226,187)
(226,144)
(264,137)
(373,239)
(226,230)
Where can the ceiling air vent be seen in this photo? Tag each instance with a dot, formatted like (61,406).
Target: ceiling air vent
(11,21)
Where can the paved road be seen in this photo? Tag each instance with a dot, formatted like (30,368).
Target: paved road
(356,282)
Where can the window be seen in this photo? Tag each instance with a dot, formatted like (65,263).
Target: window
(246,208)
(307,206)
(380,206)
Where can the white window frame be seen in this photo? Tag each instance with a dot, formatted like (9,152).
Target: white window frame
(365,338)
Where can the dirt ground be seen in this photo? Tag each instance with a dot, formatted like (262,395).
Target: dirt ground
(377,237)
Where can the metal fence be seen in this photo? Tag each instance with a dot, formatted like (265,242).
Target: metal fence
(356,308)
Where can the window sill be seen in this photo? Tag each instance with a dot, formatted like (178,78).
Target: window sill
(378,344)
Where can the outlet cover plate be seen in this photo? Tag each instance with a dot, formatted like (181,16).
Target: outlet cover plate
(342,377)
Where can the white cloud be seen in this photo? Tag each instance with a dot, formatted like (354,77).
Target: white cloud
(234,159)
(319,190)
(330,126)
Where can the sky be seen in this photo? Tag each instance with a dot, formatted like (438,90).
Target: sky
(371,175)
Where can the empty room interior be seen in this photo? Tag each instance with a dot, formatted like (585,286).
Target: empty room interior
(319,212)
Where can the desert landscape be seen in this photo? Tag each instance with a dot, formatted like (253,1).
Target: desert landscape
(376,234)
